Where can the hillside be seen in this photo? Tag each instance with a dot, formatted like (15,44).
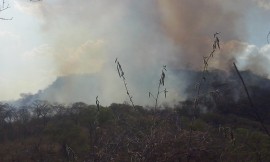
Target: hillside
(85,88)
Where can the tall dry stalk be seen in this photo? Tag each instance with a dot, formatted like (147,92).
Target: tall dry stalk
(70,153)
(122,76)
(4,6)
(254,108)
(97,103)
(206,60)
(160,83)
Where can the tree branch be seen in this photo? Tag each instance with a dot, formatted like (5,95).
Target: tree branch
(255,109)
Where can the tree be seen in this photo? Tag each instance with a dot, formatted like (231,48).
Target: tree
(59,109)
(23,115)
(76,110)
(10,114)
(3,113)
(42,109)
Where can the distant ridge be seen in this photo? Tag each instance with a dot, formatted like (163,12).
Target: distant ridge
(85,88)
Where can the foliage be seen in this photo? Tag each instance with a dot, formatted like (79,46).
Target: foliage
(121,133)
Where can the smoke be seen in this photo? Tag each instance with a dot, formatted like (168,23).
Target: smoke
(177,32)
(87,36)
(229,53)
(256,60)
(263,4)
(191,25)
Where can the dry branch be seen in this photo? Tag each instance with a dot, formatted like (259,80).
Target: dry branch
(255,109)
(4,6)
(122,76)
(199,85)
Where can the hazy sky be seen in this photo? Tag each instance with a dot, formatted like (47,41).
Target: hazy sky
(54,38)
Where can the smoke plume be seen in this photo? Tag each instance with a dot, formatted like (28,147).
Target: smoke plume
(191,25)
(87,36)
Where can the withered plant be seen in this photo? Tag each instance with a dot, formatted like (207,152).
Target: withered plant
(97,103)
(206,60)
(122,76)
(198,87)
(160,83)
(4,6)
(155,98)
(70,153)
(254,109)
